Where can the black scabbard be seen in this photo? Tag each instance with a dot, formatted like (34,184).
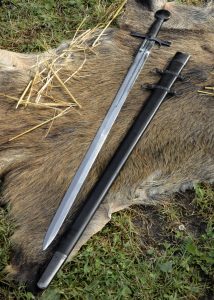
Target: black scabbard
(96,196)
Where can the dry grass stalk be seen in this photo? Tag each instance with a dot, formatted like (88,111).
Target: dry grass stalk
(31,89)
(24,93)
(49,78)
(207,93)
(75,72)
(112,18)
(39,125)
(52,121)
(43,105)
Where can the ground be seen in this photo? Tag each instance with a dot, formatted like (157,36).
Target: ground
(163,252)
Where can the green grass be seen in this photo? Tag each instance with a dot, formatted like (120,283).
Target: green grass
(164,252)
(125,261)
(34,25)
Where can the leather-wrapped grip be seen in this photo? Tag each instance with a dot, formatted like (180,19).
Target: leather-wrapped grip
(161,16)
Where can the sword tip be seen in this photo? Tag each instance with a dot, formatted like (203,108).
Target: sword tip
(47,241)
(51,233)
(45,245)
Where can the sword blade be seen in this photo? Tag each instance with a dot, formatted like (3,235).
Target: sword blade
(97,143)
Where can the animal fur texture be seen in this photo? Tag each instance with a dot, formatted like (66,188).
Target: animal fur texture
(176,151)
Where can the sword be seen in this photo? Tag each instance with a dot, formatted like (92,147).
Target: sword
(79,178)
(96,196)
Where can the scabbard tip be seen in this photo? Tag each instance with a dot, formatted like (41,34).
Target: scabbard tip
(53,267)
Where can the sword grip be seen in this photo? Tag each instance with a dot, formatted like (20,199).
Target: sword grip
(161,16)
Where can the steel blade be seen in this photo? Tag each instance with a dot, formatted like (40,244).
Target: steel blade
(97,143)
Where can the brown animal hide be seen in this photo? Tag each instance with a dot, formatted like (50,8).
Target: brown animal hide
(175,153)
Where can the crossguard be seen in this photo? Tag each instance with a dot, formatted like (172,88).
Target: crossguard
(161,16)
(156,40)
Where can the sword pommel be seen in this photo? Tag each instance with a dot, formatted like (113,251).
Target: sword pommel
(161,16)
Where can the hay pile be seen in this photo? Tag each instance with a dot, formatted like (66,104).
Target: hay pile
(40,90)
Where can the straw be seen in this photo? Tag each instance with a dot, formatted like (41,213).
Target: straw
(108,24)
(24,93)
(65,87)
(39,125)
(40,91)
(210,88)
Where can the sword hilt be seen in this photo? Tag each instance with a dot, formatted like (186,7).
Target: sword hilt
(161,16)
